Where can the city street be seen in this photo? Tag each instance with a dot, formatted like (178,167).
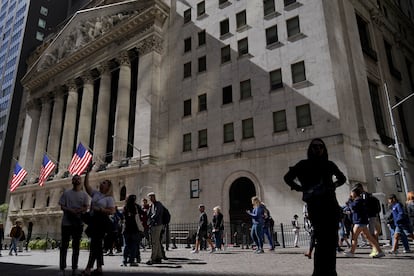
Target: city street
(233,261)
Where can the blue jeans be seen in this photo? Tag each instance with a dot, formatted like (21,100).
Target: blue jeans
(257,235)
(267,231)
(131,246)
(404,239)
(13,245)
(217,238)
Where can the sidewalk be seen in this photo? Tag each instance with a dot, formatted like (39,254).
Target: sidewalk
(233,261)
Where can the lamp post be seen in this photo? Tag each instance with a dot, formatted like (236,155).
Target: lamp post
(397,156)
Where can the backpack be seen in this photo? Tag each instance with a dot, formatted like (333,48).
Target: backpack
(166,216)
(373,205)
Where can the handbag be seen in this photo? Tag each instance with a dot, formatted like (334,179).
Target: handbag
(86,217)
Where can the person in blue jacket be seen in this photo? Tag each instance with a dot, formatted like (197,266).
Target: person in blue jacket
(257,223)
(401,222)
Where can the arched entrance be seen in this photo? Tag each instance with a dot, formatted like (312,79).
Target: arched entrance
(240,194)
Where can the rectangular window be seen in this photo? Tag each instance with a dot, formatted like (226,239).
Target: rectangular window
(279,121)
(268,7)
(187,107)
(241,19)
(44,11)
(201,8)
(225,54)
(187,44)
(247,128)
(202,64)
(243,47)
(245,89)
(202,138)
(276,79)
(298,72)
(40,36)
(187,69)
(187,16)
(289,2)
(187,142)
(393,70)
(293,27)
(228,133)
(364,37)
(271,35)
(303,116)
(41,23)
(221,2)
(227,94)
(377,109)
(224,27)
(202,102)
(202,38)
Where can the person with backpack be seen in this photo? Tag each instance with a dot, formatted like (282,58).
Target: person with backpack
(373,207)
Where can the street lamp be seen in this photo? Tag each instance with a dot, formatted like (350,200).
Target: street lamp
(397,156)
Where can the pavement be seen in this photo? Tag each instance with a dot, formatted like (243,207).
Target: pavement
(232,261)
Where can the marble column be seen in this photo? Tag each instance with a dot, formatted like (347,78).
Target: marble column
(122,109)
(69,125)
(149,80)
(42,134)
(28,144)
(85,116)
(56,125)
(102,115)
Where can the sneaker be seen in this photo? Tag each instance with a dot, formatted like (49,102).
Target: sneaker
(405,251)
(260,251)
(393,252)
(194,251)
(373,253)
(123,264)
(349,254)
(149,262)
(212,250)
(379,255)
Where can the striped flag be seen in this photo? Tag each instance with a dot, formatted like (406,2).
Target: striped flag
(80,160)
(18,175)
(47,167)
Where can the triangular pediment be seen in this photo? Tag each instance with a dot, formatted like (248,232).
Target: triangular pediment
(95,26)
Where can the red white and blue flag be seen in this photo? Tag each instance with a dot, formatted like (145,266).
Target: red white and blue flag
(18,175)
(47,168)
(80,160)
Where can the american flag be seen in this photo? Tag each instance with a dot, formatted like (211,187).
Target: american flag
(80,160)
(47,167)
(18,176)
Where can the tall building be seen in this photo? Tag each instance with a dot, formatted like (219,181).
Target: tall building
(24,25)
(212,101)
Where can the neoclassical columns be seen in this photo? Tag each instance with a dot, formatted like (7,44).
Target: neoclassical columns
(122,109)
(42,133)
(85,117)
(56,124)
(31,125)
(69,126)
(102,115)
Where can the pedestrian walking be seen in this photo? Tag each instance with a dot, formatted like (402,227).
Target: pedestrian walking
(73,202)
(218,227)
(307,225)
(201,235)
(410,208)
(401,222)
(315,180)
(16,234)
(257,216)
(268,227)
(102,206)
(360,220)
(296,228)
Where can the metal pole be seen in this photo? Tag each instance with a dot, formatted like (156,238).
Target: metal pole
(397,144)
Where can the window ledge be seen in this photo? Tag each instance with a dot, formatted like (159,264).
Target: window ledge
(201,17)
(225,36)
(293,6)
(224,5)
(243,28)
(296,37)
(271,15)
(274,45)
(248,56)
(301,84)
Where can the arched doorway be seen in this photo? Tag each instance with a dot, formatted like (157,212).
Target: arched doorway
(240,194)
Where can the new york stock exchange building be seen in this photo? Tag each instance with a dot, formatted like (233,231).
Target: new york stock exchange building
(200,102)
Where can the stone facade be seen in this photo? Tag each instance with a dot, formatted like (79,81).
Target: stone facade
(151,94)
